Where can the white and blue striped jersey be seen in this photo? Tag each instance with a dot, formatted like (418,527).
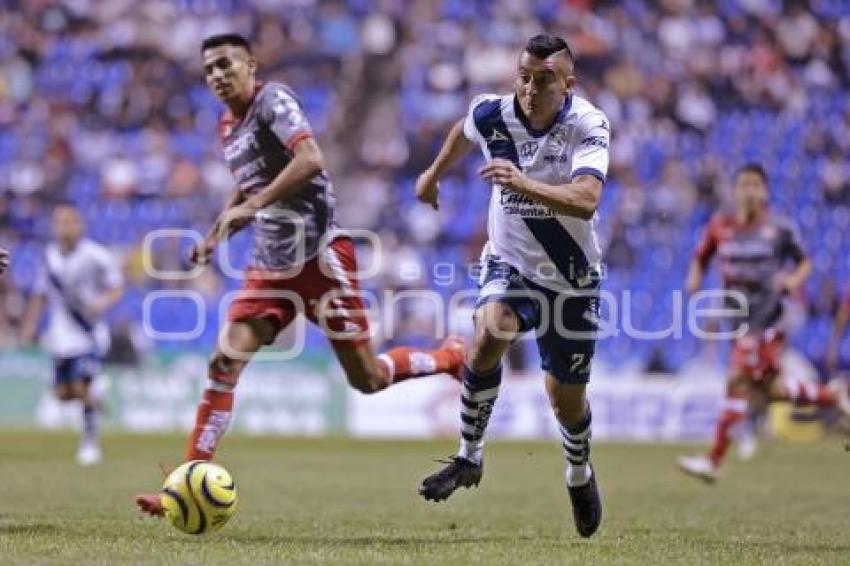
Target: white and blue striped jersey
(553,250)
(70,283)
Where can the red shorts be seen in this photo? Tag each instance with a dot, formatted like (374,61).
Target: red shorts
(326,290)
(756,355)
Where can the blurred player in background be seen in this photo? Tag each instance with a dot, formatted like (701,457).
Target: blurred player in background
(4,259)
(79,281)
(284,190)
(842,318)
(754,245)
(547,157)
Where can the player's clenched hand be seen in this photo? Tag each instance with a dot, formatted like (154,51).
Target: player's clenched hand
(503,172)
(4,260)
(787,284)
(428,189)
(202,252)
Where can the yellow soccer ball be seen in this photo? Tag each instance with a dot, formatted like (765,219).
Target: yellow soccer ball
(199,497)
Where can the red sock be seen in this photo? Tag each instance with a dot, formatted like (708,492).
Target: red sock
(735,408)
(210,423)
(405,363)
(804,392)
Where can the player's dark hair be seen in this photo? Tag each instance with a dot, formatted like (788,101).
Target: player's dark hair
(753,167)
(225,39)
(545,44)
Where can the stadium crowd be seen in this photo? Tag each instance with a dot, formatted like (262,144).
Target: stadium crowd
(104,105)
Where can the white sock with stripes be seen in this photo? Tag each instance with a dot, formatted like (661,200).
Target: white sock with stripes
(477,401)
(576,443)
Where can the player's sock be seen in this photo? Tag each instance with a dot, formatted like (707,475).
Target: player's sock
(734,410)
(576,442)
(211,421)
(477,400)
(805,392)
(405,363)
(91,422)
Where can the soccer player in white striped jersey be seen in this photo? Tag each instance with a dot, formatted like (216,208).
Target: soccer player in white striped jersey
(79,281)
(547,156)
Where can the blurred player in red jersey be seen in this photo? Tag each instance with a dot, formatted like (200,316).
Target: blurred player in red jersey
(300,255)
(754,245)
(842,318)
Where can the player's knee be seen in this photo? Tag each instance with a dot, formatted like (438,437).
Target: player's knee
(224,369)
(737,386)
(367,387)
(496,324)
(486,352)
(367,378)
(64,393)
(364,372)
(79,390)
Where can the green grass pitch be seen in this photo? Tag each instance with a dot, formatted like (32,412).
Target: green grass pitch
(335,501)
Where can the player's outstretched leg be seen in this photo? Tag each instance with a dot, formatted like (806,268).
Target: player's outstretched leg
(811,392)
(495,325)
(89,452)
(73,379)
(332,282)
(707,467)
(574,419)
(368,373)
(214,411)
(404,363)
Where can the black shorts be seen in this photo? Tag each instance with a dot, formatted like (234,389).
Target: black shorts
(565,323)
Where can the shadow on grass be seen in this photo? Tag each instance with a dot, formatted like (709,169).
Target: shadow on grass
(778,546)
(785,547)
(28,529)
(375,540)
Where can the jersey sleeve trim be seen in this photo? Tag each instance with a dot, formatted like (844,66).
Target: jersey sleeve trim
(589,171)
(297,137)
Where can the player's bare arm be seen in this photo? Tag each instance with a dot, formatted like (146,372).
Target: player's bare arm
(306,164)
(454,148)
(29,326)
(791,281)
(106,301)
(579,198)
(696,273)
(202,252)
(702,256)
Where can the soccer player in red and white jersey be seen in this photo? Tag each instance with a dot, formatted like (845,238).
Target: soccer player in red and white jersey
(302,261)
(754,245)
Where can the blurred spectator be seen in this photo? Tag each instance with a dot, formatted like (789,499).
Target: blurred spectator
(104,104)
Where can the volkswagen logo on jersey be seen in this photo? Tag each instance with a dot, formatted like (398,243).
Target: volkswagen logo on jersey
(528,149)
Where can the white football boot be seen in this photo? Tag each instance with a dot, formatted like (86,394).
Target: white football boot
(89,453)
(747,447)
(699,467)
